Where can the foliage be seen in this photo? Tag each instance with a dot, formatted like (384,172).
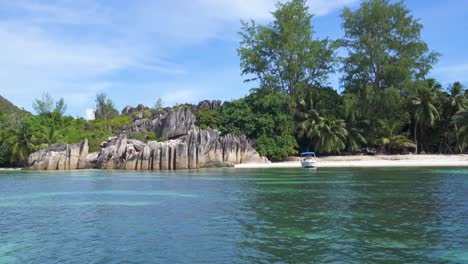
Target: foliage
(384,45)
(48,106)
(283,55)
(425,112)
(328,135)
(105,106)
(388,102)
(19,138)
(159,104)
(6,107)
(207,118)
(388,137)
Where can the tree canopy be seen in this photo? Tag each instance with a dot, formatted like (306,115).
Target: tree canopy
(384,45)
(284,55)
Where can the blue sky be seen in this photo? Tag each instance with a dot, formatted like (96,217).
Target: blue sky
(180,50)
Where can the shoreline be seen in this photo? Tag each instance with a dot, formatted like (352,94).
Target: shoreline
(420,160)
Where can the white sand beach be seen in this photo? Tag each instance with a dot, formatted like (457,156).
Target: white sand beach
(373,161)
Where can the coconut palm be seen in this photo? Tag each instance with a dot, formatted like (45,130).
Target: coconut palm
(425,113)
(354,123)
(328,135)
(461,118)
(457,102)
(304,110)
(20,138)
(389,138)
(456,98)
(50,135)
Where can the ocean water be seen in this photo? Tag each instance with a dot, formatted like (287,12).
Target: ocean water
(396,215)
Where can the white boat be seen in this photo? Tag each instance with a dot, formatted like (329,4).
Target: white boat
(309,160)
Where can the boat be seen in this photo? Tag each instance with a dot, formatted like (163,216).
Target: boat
(309,160)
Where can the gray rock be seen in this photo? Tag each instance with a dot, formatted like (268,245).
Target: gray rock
(127,110)
(187,147)
(173,124)
(60,157)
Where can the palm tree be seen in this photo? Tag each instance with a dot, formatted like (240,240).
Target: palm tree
(457,102)
(355,139)
(354,123)
(328,135)
(305,111)
(425,113)
(456,98)
(21,139)
(461,118)
(389,138)
(50,135)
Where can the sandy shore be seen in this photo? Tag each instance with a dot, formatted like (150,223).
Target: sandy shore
(373,161)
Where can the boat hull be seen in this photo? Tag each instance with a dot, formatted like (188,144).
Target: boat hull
(308,163)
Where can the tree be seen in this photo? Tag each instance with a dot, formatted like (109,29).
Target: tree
(159,104)
(457,103)
(355,123)
(385,47)
(21,139)
(425,113)
(283,55)
(389,138)
(48,106)
(461,118)
(105,109)
(50,135)
(328,135)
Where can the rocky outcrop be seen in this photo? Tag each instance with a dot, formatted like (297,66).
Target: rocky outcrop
(183,146)
(60,157)
(112,113)
(198,149)
(209,105)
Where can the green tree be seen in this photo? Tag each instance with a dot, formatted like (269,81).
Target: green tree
(50,135)
(425,113)
(327,135)
(355,123)
(105,109)
(457,102)
(461,118)
(388,137)
(159,104)
(284,55)
(385,47)
(20,138)
(48,106)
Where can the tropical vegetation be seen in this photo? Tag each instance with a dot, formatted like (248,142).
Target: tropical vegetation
(387,101)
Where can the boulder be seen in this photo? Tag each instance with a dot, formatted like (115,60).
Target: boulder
(60,157)
(127,110)
(173,123)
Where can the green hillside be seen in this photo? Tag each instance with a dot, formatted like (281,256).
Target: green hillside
(6,107)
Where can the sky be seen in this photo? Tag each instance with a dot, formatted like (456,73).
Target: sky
(182,51)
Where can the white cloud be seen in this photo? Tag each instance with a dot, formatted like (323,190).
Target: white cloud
(75,48)
(89,114)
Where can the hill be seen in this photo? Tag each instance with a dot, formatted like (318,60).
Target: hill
(6,107)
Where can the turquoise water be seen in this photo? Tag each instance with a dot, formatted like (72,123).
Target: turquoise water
(235,216)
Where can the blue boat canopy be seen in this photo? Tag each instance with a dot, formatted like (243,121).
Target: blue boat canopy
(307,153)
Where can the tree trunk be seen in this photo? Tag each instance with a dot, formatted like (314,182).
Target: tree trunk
(458,140)
(416,136)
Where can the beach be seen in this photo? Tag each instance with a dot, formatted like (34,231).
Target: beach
(372,161)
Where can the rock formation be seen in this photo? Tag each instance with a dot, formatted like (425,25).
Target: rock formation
(60,157)
(183,146)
